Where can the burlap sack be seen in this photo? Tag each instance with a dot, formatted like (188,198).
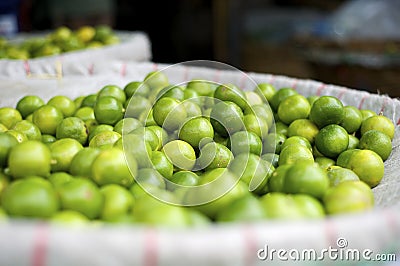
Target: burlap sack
(366,238)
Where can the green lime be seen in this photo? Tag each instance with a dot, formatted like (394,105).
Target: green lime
(28,104)
(110,167)
(297,140)
(292,154)
(332,140)
(156,80)
(337,174)
(277,205)
(135,146)
(104,139)
(183,178)
(292,108)
(272,158)
(3,128)
(310,207)
(304,128)
(181,154)
(136,88)
(98,129)
(171,91)
(126,125)
(64,104)
(380,123)
(47,118)
(81,164)
(74,128)
(108,110)
(378,142)
(83,196)
(60,178)
(306,178)
(18,135)
(136,106)
(150,176)
(162,164)
(9,116)
(161,133)
(366,113)
(113,91)
(352,119)
(348,197)
(226,118)
(118,201)
(201,87)
(275,182)
(62,153)
(85,113)
(262,112)
(245,142)
(31,131)
(229,92)
(6,143)
(327,110)
(29,158)
(281,128)
(256,125)
(192,109)
(244,209)
(214,155)
(89,101)
(265,89)
(324,162)
(279,96)
(195,130)
(169,113)
(353,142)
(69,218)
(47,139)
(30,197)
(273,143)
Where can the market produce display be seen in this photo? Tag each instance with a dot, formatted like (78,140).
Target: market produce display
(190,154)
(60,40)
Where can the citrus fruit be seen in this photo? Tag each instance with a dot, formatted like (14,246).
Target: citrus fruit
(292,108)
(245,142)
(265,89)
(337,174)
(28,104)
(380,123)
(136,88)
(6,143)
(62,153)
(226,118)
(181,154)
(108,110)
(118,201)
(280,95)
(327,110)
(378,142)
(332,140)
(81,164)
(169,113)
(214,155)
(244,209)
(196,129)
(64,104)
(47,118)
(74,128)
(295,153)
(162,164)
(9,116)
(352,119)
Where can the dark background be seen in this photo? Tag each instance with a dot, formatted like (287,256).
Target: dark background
(252,35)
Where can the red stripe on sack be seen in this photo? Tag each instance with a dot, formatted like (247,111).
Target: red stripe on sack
(391,222)
(91,69)
(383,105)
(320,89)
(123,70)
(362,101)
(272,79)
(40,245)
(398,122)
(341,93)
(295,84)
(330,233)
(242,81)
(185,73)
(217,75)
(250,243)
(27,68)
(155,67)
(150,248)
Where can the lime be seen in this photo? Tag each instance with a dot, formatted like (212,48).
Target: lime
(324,162)
(9,116)
(262,112)
(337,174)
(214,155)
(127,125)
(47,139)
(245,142)
(366,113)
(273,143)
(378,142)
(74,128)
(113,91)
(201,87)
(89,101)
(60,178)
(47,118)
(64,104)
(353,142)
(161,133)
(135,146)
(98,129)
(181,154)
(229,92)
(304,128)
(85,113)
(275,182)
(156,80)
(309,206)
(226,118)
(348,197)
(183,178)
(81,164)
(29,158)
(171,91)
(281,128)
(195,130)
(297,140)
(150,176)
(6,143)
(306,178)
(3,128)
(265,89)
(256,125)
(83,196)
(327,110)
(280,95)
(136,88)
(28,104)
(169,113)
(136,106)
(352,119)
(380,123)
(192,109)
(162,164)
(108,110)
(69,218)
(62,153)
(271,158)
(277,205)
(244,209)
(31,197)
(292,108)
(292,154)
(110,167)
(118,201)
(18,135)
(332,140)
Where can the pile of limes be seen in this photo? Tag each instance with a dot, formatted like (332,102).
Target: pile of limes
(60,40)
(190,154)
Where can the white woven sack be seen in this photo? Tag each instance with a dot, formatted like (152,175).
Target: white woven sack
(374,234)
(133,47)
